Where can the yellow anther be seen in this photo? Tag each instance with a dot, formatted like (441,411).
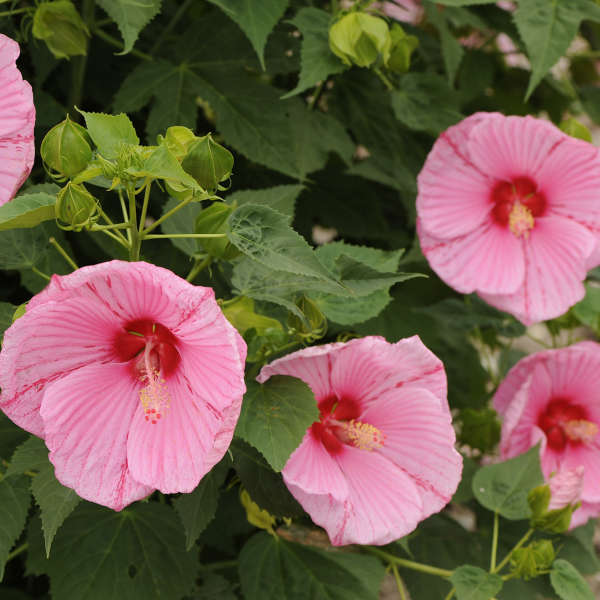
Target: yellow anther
(581,431)
(361,435)
(520,220)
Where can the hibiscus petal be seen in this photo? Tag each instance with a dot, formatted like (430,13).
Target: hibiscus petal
(44,345)
(489,259)
(555,256)
(312,365)
(368,367)
(587,510)
(419,438)
(87,416)
(383,503)
(587,456)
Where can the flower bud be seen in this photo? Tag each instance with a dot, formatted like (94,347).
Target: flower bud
(66,150)
(360,39)
(178,140)
(401,48)
(314,324)
(76,208)
(208,163)
(533,559)
(214,220)
(58,23)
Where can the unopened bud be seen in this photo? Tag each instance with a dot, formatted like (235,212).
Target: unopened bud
(401,49)
(532,560)
(314,324)
(214,220)
(360,39)
(76,208)
(208,163)
(178,140)
(61,27)
(66,150)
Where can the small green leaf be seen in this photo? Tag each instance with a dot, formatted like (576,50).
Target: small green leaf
(256,19)
(131,16)
(270,568)
(578,548)
(568,582)
(27,210)
(473,583)
(10,437)
(281,198)
(14,505)
(198,508)
(452,50)
(318,62)
(588,309)
(265,236)
(110,132)
(7,310)
(162,164)
(275,416)
(503,487)
(31,455)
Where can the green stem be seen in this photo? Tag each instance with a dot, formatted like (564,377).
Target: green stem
(388,84)
(17,551)
(9,13)
(109,39)
(136,240)
(494,542)
(145,206)
(38,272)
(79,63)
(167,215)
(450,594)
(96,227)
(222,564)
(316,95)
(116,238)
(125,213)
(199,266)
(505,560)
(409,564)
(167,30)
(399,583)
(165,236)
(63,253)
(112,225)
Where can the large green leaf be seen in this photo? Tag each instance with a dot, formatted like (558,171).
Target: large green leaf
(503,487)
(452,50)
(198,508)
(274,569)
(275,416)
(14,504)
(23,248)
(110,132)
(183,221)
(281,198)
(138,553)
(578,548)
(10,437)
(473,583)
(31,455)
(318,62)
(257,19)
(131,16)
(27,210)
(568,582)
(547,28)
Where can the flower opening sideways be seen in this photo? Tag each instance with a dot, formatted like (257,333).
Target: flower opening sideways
(552,397)
(509,207)
(381,458)
(17,119)
(133,377)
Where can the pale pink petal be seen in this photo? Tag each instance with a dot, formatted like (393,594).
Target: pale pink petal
(514,381)
(87,416)
(510,147)
(566,487)
(593,260)
(555,256)
(489,259)
(46,344)
(454,195)
(587,510)
(368,367)
(383,503)
(407,11)
(419,438)
(313,365)
(587,456)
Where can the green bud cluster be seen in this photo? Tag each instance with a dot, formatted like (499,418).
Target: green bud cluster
(532,560)
(552,521)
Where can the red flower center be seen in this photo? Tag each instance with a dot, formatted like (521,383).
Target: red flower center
(337,426)
(566,423)
(516,204)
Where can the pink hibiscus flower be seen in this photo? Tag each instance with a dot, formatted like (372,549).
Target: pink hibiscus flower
(133,377)
(509,207)
(552,397)
(17,118)
(381,458)
(407,11)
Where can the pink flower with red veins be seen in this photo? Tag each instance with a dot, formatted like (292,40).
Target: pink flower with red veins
(509,207)
(381,458)
(17,118)
(552,397)
(132,376)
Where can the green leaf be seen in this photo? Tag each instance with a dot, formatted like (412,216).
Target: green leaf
(265,486)
(503,487)
(275,416)
(272,568)
(452,50)
(56,502)
(590,100)
(424,102)
(22,248)
(588,309)
(214,587)
(318,62)
(31,455)
(110,132)
(183,221)
(131,16)
(281,198)
(548,27)
(568,582)
(14,505)
(256,19)
(480,428)
(162,164)
(10,437)
(198,508)
(473,583)
(7,310)
(578,548)
(27,210)
(138,553)
(264,235)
